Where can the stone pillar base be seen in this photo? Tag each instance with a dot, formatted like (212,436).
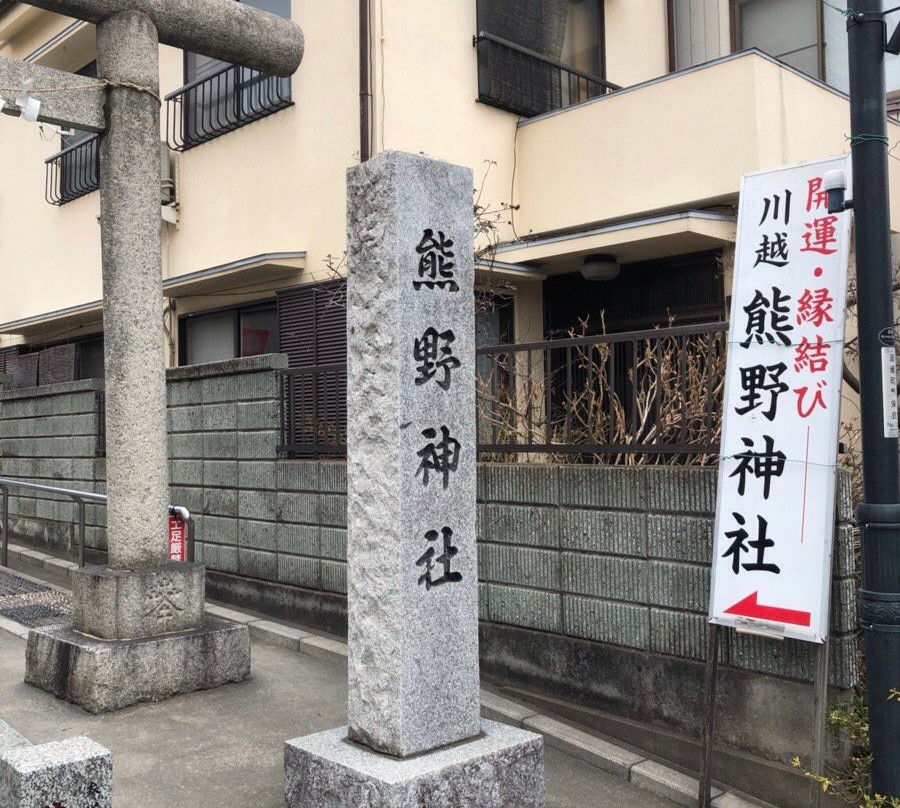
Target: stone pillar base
(130,604)
(502,768)
(101,676)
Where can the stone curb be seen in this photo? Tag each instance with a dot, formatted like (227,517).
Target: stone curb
(602,754)
(35,558)
(285,636)
(669,783)
(664,781)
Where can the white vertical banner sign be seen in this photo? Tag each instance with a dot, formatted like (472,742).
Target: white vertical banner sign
(777,473)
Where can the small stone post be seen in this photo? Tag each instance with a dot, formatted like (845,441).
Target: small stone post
(412,557)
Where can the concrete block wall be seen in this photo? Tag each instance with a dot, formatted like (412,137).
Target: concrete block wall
(281,521)
(611,555)
(621,556)
(50,435)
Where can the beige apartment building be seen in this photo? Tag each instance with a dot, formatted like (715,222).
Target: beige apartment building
(607,137)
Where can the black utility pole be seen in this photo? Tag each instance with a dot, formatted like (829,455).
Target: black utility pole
(879,514)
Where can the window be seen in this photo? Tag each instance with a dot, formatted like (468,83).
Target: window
(694,32)
(75,170)
(493,326)
(90,359)
(219,97)
(798,33)
(227,334)
(540,55)
(312,322)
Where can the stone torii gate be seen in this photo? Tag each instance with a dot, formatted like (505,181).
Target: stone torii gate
(140,596)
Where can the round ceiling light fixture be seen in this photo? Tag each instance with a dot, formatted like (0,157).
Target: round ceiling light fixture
(600,267)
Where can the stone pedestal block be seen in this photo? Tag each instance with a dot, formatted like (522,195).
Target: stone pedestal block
(131,604)
(75,773)
(102,676)
(501,768)
(9,738)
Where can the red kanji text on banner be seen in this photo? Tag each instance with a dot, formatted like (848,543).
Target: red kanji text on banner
(778,460)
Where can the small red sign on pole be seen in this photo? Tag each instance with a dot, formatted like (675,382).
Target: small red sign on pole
(177,539)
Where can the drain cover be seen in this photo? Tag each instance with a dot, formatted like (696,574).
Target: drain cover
(29,603)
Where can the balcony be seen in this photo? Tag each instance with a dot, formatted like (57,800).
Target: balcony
(73,172)
(528,83)
(215,105)
(678,143)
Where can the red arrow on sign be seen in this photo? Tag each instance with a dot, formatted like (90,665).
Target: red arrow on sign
(750,607)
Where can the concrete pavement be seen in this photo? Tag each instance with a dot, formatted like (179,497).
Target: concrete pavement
(224,747)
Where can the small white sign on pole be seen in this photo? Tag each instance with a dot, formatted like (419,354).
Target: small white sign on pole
(777,473)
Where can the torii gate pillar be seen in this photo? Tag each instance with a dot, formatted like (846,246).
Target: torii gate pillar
(137,453)
(138,631)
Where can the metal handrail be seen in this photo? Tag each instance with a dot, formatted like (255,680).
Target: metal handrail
(315,369)
(70,149)
(191,85)
(80,498)
(549,60)
(602,339)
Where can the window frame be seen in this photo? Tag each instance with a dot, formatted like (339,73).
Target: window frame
(238,310)
(601,32)
(734,7)
(526,108)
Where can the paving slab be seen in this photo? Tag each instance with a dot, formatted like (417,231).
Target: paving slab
(324,648)
(231,614)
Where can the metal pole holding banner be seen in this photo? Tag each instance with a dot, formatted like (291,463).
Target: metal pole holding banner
(709,728)
(772,554)
(820,712)
(879,515)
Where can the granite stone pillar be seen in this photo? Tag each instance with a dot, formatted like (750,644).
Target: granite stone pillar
(137,454)
(138,630)
(414,736)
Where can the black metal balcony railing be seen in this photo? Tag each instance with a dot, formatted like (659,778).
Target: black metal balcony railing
(313,410)
(73,172)
(210,107)
(656,393)
(528,83)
